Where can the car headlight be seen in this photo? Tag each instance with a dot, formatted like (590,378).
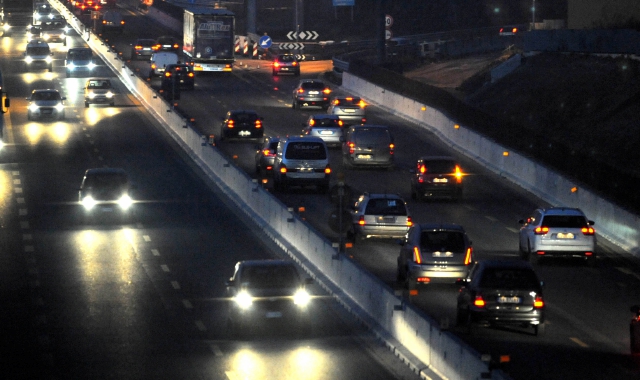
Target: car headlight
(48,59)
(33,107)
(59,107)
(71,66)
(88,202)
(91,95)
(109,94)
(37,16)
(125,202)
(301,298)
(46,36)
(243,300)
(6,27)
(91,65)
(66,29)
(28,59)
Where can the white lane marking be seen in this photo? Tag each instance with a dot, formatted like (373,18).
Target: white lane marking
(579,342)
(155,252)
(468,207)
(491,218)
(624,270)
(146,238)
(215,349)
(165,268)
(100,158)
(24,225)
(16,182)
(18,190)
(27,237)
(15,172)
(511,229)
(187,304)
(175,285)
(22,212)
(200,325)
(28,248)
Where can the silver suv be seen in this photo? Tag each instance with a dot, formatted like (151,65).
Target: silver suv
(379,216)
(368,146)
(46,103)
(351,110)
(311,93)
(433,253)
(558,231)
(301,161)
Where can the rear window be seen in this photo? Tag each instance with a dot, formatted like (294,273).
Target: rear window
(385,206)
(326,123)
(372,136)
(270,277)
(440,166)
(305,150)
(286,58)
(244,117)
(508,278)
(564,221)
(442,241)
(313,86)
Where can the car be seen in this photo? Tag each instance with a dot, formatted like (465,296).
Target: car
(501,292)
(54,31)
(350,109)
(379,215)
(159,62)
(169,44)
(368,145)
(557,231)
(99,90)
(106,192)
(311,93)
(85,7)
(434,253)
(266,156)
(327,127)
(144,47)
(41,12)
(508,31)
(183,73)
(38,54)
(79,60)
(34,32)
(264,292)
(285,63)
(45,104)
(301,161)
(436,176)
(112,22)
(241,123)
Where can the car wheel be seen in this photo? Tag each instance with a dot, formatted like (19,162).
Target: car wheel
(50,68)
(401,276)
(29,117)
(297,73)
(86,104)
(61,116)
(323,188)
(462,317)
(414,195)
(112,104)
(538,330)
(133,56)
(274,73)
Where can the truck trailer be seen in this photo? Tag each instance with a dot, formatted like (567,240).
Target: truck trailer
(208,38)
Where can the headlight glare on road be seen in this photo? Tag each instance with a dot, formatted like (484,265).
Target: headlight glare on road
(301,298)
(243,300)
(88,202)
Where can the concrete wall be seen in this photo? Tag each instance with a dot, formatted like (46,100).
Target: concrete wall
(614,41)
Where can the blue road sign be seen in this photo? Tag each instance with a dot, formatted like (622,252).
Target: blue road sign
(265,42)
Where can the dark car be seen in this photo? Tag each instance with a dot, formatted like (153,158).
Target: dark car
(170,44)
(436,176)
(182,73)
(106,192)
(267,291)
(79,60)
(144,47)
(350,109)
(311,93)
(266,156)
(501,292)
(241,123)
(286,63)
(434,253)
(368,146)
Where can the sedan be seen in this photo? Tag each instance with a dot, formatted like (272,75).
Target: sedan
(144,47)
(47,103)
(241,123)
(327,127)
(170,44)
(311,93)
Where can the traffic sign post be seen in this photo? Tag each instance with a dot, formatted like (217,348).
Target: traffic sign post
(265,42)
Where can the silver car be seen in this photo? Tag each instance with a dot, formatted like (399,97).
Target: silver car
(47,103)
(351,110)
(433,253)
(558,231)
(327,127)
(379,216)
(99,90)
(311,93)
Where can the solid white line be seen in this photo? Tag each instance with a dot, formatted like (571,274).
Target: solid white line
(624,270)
(511,229)
(491,218)
(24,225)
(20,200)
(27,237)
(22,212)
(579,342)
(215,349)
(18,190)
(15,172)
(187,304)
(16,181)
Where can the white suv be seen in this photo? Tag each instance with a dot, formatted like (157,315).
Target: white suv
(558,231)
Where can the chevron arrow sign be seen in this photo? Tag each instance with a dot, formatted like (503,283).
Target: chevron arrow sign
(308,35)
(291,46)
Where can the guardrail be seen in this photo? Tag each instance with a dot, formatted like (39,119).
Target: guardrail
(412,335)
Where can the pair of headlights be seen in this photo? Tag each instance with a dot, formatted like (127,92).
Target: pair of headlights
(34,107)
(72,66)
(29,59)
(244,300)
(92,95)
(124,202)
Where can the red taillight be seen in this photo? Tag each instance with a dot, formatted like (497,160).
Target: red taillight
(175,46)
(417,257)
(266,152)
(138,47)
(424,280)
(283,169)
(312,122)
(230,124)
(588,253)
(336,102)
(327,170)
(352,147)
(458,174)
(362,104)
(156,47)
(514,30)
(104,21)
(422,169)
(122,22)
(588,231)
(349,98)
(340,123)
(327,91)
(361,220)
(479,302)
(258,124)
(468,256)
(294,64)
(167,74)
(391,148)
(153,66)
(538,302)
(276,64)
(409,221)
(301,90)
(190,75)
(541,230)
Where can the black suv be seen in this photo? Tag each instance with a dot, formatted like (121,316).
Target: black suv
(79,60)
(286,63)
(437,176)
(106,192)
(241,123)
(183,73)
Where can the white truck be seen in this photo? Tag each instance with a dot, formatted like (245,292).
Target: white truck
(209,37)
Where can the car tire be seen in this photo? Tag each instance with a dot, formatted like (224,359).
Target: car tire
(50,68)
(539,329)
(274,73)
(86,104)
(112,104)
(297,73)
(323,188)
(401,275)
(29,117)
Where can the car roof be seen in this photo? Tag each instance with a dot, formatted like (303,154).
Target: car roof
(302,138)
(369,126)
(95,171)
(36,42)
(382,195)
(562,211)
(440,227)
(145,40)
(238,112)
(310,81)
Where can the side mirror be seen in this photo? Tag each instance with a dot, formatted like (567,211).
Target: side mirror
(591,222)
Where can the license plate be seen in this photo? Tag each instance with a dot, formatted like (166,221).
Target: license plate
(274,314)
(244,133)
(442,254)
(562,235)
(46,112)
(326,132)
(313,92)
(364,156)
(440,180)
(504,299)
(107,209)
(349,110)
(284,69)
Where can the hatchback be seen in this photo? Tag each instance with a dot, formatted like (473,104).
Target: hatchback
(368,146)
(351,110)
(46,103)
(311,93)
(38,53)
(433,253)
(327,127)
(266,156)
(436,176)
(144,47)
(241,123)
(106,191)
(379,216)
(501,292)
(285,63)
(302,161)
(99,90)
(170,44)
(79,60)
(558,231)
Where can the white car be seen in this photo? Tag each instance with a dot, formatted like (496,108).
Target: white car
(47,103)
(558,231)
(99,90)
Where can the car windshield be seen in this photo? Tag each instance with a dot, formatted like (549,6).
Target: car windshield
(53,25)
(80,54)
(372,136)
(46,95)
(38,50)
(440,166)
(385,206)
(306,150)
(443,241)
(508,278)
(313,86)
(99,84)
(270,276)
(105,181)
(564,221)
